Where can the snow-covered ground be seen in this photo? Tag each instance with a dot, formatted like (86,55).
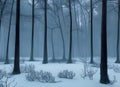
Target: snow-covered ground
(55,68)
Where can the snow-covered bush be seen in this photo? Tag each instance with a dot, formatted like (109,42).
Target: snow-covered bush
(90,73)
(2,74)
(27,68)
(46,77)
(31,75)
(113,81)
(40,76)
(116,69)
(7,82)
(66,74)
(5,79)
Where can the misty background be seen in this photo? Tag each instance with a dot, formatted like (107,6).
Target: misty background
(81,42)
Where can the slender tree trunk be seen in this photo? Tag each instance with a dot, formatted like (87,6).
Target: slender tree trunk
(118,34)
(63,41)
(91,27)
(32,38)
(103,66)
(70,46)
(61,29)
(78,47)
(45,55)
(53,56)
(64,52)
(8,38)
(16,69)
(1,12)
(75,15)
(62,13)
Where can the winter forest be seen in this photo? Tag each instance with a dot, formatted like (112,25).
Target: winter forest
(59,43)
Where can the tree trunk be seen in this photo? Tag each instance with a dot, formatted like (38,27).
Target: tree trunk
(16,69)
(1,12)
(76,24)
(62,13)
(64,52)
(8,38)
(60,27)
(32,38)
(53,56)
(91,27)
(45,55)
(63,41)
(118,34)
(103,66)
(70,46)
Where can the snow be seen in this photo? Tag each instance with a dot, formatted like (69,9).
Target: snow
(55,68)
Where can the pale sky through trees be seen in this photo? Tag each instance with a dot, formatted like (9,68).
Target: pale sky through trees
(82,25)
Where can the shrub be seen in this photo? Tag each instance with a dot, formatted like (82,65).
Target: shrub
(5,79)
(2,74)
(27,68)
(66,74)
(31,75)
(40,76)
(116,69)
(113,81)
(91,73)
(88,71)
(46,77)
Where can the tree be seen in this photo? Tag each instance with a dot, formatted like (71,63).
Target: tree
(8,38)
(103,66)
(45,54)
(76,24)
(91,27)
(61,30)
(32,38)
(57,8)
(118,34)
(16,69)
(70,42)
(1,12)
(52,42)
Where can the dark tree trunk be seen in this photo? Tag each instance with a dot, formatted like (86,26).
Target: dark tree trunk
(32,38)
(91,27)
(70,44)
(103,66)
(8,38)
(118,34)
(1,12)
(45,55)
(16,69)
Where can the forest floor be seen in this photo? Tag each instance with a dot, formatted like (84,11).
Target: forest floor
(77,67)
